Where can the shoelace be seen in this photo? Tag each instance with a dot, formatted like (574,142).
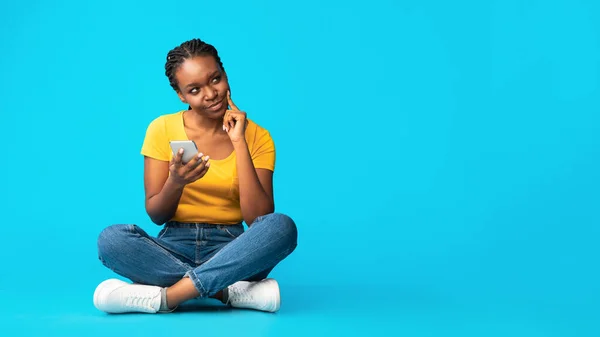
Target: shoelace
(140,299)
(240,296)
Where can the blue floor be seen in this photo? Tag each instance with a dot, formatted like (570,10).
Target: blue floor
(311,311)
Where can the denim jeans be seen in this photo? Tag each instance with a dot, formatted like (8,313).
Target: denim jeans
(213,256)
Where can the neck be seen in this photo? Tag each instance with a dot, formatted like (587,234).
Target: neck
(194,120)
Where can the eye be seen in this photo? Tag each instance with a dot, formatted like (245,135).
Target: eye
(194,91)
(216,79)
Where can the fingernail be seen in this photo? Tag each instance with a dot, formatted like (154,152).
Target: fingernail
(180,150)
(200,155)
(207,164)
(206,159)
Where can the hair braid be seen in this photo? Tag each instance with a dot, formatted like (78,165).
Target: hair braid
(187,50)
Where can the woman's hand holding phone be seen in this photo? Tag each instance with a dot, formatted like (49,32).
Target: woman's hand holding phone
(185,173)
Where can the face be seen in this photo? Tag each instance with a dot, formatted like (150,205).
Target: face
(203,85)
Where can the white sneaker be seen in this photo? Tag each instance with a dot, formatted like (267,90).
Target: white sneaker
(262,295)
(115,296)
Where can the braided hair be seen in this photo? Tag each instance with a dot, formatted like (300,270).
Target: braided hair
(187,50)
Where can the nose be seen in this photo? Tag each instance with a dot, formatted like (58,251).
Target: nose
(210,94)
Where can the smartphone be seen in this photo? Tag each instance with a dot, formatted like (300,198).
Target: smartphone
(188,146)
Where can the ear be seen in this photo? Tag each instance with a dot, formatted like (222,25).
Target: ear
(181,98)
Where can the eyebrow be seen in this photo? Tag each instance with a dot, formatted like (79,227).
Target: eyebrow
(213,74)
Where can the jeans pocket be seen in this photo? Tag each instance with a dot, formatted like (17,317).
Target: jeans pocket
(233,231)
(162,232)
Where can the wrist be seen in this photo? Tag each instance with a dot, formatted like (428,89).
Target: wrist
(238,144)
(174,184)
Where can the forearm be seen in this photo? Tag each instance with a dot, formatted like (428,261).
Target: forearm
(254,201)
(162,207)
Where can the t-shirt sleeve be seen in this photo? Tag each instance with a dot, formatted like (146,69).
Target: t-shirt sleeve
(156,143)
(263,155)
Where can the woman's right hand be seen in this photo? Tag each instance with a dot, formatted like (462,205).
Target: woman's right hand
(183,174)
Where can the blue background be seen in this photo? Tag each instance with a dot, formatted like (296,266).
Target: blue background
(441,159)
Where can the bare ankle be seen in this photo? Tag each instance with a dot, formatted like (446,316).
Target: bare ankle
(218,296)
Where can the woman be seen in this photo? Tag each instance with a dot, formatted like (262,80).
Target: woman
(203,250)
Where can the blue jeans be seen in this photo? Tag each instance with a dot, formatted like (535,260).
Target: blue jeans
(212,256)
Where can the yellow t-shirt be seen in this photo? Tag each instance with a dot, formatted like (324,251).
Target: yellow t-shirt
(215,197)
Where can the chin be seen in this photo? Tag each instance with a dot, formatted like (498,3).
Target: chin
(215,114)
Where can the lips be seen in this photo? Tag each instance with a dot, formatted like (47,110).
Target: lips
(215,106)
